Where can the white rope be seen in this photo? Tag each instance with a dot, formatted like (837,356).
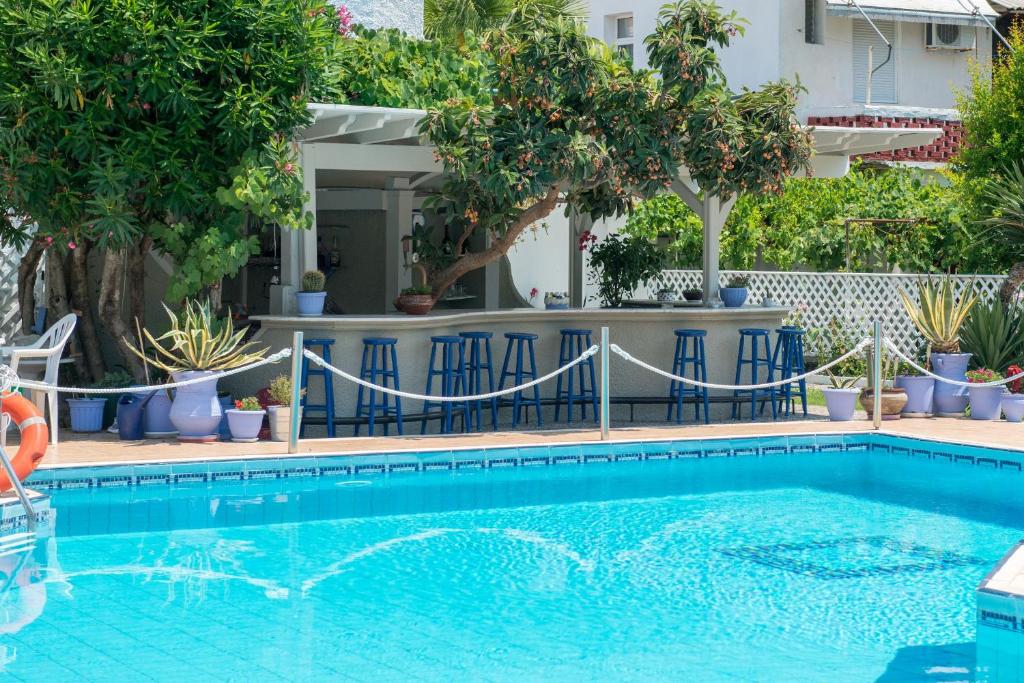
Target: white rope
(895,349)
(42,386)
(741,387)
(449,399)
(8,378)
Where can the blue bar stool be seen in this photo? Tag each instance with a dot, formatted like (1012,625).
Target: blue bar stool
(379,366)
(521,343)
(574,343)
(453,380)
(478,363)
(788,361)
(694,360)
(327,407)
(760,350)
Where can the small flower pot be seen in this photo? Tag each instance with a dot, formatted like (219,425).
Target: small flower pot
(280,422)
(310,304)
(1013,407)
(693,296)
(666,297)
(245,424)
(415,304)
(840,403)
(920,391)
(893,401)
(557,304)
(733,297)
(86,414)
(986,402)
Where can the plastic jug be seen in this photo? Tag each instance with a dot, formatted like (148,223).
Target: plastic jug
(130,413)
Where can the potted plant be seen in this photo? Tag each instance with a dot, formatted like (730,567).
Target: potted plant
(198,345)
(618,265)
(893,398)
(1013,402)
(245,419)
(986,402)
(693,293)
(841,397)
(735,292)
(666,294)
(919,388)
(939,318)
(280,409)
(310,300)
(556,301)
(415,300)
(86,413)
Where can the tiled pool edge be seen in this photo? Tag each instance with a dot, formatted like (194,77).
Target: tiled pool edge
(1000,618)
(380,462)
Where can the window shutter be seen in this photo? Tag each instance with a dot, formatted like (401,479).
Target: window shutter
(883,82)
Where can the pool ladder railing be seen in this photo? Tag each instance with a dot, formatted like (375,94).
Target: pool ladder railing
(30,513)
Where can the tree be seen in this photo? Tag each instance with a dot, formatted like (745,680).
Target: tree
(448,21)
(126,125)
(570,122)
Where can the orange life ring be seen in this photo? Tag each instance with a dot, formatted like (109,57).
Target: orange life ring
(34,436)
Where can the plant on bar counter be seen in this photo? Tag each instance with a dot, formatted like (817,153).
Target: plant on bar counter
(619,264)
(941,313)
(738,282)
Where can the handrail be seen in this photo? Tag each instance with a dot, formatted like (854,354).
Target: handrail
(30,513)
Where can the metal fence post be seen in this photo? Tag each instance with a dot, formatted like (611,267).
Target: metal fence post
(293,428)
(876,372)
(605,394)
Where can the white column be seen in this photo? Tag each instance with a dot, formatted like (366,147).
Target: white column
(713,214)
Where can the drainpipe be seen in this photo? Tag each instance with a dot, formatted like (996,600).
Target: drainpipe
(888,57)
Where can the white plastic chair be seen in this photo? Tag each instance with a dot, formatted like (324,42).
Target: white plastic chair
(47,349)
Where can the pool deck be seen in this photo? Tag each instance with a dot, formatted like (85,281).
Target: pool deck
(99,449)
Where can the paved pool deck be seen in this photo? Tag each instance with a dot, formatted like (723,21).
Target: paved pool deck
(97,449)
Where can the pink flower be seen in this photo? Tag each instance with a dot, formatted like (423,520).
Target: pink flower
(533,293)
(71,245)
(147,106)
(344,21)
(288,168)
(49,240)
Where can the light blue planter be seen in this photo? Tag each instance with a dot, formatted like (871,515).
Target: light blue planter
(245,424)
(196,412)
(950,400)
(986,402)
(733,297)
(227,403)
(557,307)
(840,403)
(157,417)
(1013,407)
(310,303)
(920,392)
(86,414)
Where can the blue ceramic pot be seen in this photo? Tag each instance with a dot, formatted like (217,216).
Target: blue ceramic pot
(196,412)
(86,414)
(986,402)
(557,307)
(245,424)
(950,400)
(310,303)
(920,391)
(840,403)
(733,297)
(226,403)
(157,419)
(1013,407)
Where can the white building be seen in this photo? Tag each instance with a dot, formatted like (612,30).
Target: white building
(831,46)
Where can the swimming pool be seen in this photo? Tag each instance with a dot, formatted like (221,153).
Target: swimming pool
(809,558)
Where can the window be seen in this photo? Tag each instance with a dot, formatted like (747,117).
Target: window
(814,22)
(622,38)
(883,77)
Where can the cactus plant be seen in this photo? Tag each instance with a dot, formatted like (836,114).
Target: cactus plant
(313,281)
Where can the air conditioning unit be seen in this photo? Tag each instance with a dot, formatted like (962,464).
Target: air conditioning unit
(950,37)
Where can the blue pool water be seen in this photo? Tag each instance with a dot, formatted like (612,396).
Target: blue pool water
(845,566)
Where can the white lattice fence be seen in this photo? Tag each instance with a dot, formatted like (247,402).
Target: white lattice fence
(856,300)
(10,317)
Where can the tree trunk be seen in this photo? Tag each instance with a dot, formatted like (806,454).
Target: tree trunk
(114,264)
(27,282)
(57,305)
(498,248)
(137,281)
(1010,291)
(80,288)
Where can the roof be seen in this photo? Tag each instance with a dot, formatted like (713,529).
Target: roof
(959,12)
(398,129)
(1008,5)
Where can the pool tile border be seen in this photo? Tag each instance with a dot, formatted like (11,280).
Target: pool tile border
(398,463)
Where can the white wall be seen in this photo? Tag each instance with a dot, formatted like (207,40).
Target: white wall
(774,47)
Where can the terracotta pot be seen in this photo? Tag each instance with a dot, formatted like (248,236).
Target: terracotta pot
(415,304)
(893,401)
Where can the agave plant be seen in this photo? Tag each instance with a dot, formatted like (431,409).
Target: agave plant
(198,340)
(994,335)
(941,314)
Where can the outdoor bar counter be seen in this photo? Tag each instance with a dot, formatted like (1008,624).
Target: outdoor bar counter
(646,333)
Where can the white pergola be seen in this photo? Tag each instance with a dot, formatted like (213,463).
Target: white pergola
(359,147)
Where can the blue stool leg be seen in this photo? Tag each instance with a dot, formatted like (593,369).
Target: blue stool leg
(373,392)
(704,378)
(772,393)
(570,376)
(329,393)
(461,388)
(359,392)
(395,386)
(673,386)
(490,385)
(755,373)
(593,380)
(304,384)
(801,369)
(536,387)
(504,374)
(560,381)
(517,397)
(739,370)
(427,404)
(474,380)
